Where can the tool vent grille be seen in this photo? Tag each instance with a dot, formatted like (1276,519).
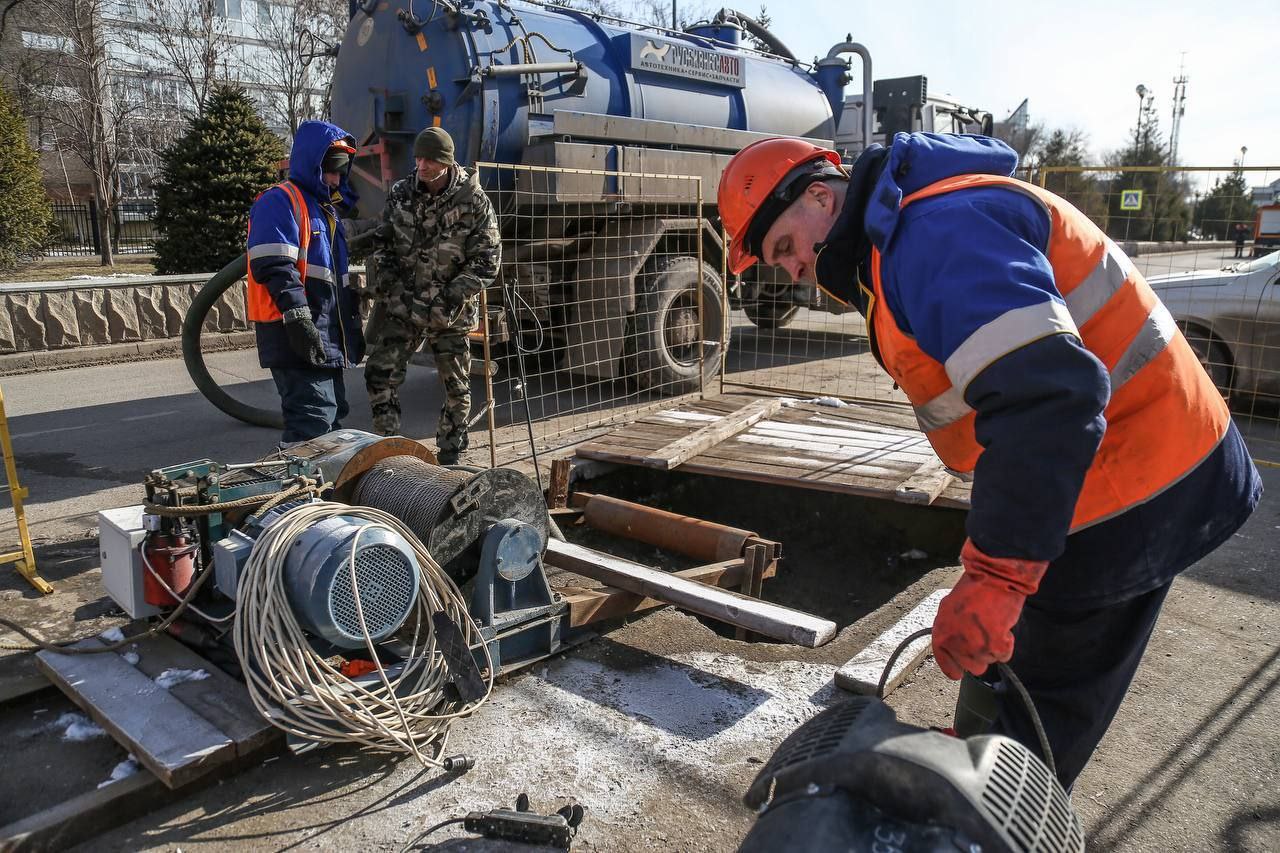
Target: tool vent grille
(1023,798)
(386,580)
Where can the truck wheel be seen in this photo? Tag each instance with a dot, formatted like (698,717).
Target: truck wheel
(768,315)
(664,337)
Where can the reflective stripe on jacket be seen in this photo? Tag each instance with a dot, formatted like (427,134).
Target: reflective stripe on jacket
(1165,415)
(261,307)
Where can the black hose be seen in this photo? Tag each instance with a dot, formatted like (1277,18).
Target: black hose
(193,325)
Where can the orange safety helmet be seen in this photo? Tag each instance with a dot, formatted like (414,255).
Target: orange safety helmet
(759,176)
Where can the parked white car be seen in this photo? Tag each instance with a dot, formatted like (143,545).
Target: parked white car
(1231,318)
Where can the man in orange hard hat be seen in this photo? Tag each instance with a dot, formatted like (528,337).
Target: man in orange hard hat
(1038,359)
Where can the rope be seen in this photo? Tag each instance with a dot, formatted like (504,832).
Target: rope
(303,694)
(303,485)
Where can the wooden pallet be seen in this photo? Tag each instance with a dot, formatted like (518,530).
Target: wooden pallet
(864,449)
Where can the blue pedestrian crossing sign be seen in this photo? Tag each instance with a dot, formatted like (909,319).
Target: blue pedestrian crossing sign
(1131,199)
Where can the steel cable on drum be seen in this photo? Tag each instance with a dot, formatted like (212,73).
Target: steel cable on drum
(302,693)
(413,491)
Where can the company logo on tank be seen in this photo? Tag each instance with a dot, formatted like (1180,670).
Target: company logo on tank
(682,60)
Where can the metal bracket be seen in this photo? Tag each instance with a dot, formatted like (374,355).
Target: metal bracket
(468,497)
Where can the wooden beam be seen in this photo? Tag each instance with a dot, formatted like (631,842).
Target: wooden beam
(924,486)
(599,605)
(763,617)
(558,490)
(21,684)
(68,823)
(683,449)
(862,673)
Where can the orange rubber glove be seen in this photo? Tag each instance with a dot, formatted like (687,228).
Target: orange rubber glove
(974,625)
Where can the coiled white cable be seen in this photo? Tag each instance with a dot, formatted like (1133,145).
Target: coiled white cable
(302,693)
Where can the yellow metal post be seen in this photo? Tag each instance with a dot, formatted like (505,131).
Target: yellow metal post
(25,559)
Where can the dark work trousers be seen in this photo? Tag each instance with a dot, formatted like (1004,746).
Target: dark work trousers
(1077,666)
(313,401)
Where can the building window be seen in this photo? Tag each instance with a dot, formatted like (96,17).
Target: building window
(229,9)
(45,41)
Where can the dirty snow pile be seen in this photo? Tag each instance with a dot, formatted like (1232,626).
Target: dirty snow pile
(171,678)
(112,635)
(76,727)
(123,770)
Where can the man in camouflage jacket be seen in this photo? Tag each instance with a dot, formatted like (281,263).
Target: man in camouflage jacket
(436,248)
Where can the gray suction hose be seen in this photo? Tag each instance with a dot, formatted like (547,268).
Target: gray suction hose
(193,324)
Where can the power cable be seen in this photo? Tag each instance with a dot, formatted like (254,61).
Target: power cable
(1006,673)
(305,695)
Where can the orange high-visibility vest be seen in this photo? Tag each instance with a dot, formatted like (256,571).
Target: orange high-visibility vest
(1164,416)
(261,307)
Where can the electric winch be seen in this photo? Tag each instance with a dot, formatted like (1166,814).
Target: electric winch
(351,550)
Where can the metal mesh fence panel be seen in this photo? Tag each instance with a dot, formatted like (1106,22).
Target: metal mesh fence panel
(1207,239)
(607,303)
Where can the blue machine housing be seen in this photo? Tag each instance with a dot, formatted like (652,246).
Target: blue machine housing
(397,75)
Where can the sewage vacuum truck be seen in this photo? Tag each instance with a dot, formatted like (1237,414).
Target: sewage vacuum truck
(603,267)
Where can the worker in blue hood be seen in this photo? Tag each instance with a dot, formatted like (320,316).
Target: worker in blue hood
(1038,361)
(305,312)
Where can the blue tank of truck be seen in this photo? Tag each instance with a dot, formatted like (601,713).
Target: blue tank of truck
(494,73)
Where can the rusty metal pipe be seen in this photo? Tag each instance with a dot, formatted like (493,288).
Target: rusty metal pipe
(693,537)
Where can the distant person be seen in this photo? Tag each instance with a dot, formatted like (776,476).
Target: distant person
(1241,232)
(306,317)
(437,247)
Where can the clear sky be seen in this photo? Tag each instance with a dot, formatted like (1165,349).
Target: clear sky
(1078,62)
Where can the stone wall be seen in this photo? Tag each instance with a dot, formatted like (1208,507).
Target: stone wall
(37,316)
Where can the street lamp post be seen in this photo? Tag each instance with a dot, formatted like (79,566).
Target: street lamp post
(1137,128)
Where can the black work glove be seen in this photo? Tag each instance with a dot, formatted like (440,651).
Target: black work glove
(304,337)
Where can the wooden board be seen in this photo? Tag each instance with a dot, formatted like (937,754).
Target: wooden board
(168,738)
(79,818)
(763,617)
(597,605)
(220,699)
(862,673)
(686,447)
(869,450)
(926,484)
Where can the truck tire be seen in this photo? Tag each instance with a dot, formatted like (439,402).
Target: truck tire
(663,338)
(768,314)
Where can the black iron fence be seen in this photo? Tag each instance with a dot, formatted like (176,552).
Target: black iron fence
(78,230)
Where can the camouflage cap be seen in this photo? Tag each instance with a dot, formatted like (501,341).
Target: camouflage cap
(434,143)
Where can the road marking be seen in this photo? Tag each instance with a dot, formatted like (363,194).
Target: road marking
(149,417)
(18,435)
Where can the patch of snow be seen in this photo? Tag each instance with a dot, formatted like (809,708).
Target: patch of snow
(131,658)
(77,728)
(123,770)
(112,635)
(607,736)
(829,402)
(913,554)
(173,677)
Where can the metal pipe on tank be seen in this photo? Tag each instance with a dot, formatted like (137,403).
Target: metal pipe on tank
(832,75)
(534,68)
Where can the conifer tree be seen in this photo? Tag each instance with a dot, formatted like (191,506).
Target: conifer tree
(208,180)
(26,218)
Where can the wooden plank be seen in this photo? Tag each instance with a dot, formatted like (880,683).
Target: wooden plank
(21,684)
(926,485)
(862,673)
(683,449)
(79,818)
(219,699)
(763,617)
(597,605)
(169,739)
